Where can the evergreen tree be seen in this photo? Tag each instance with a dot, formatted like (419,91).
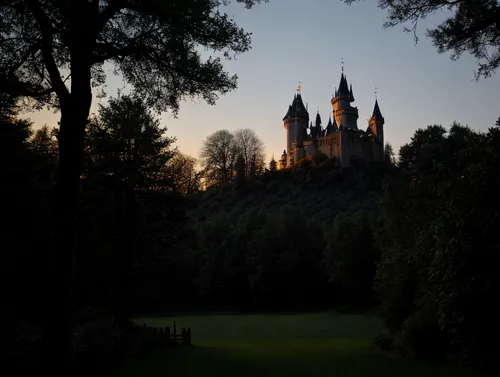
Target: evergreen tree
(273,165)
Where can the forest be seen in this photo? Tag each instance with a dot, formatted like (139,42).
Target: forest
(411,239)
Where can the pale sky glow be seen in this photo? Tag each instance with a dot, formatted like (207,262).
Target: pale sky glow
(304,40)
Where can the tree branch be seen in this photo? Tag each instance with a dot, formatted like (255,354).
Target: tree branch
(46,48)
(114,6)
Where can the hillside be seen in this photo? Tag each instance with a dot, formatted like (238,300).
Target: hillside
(321,192)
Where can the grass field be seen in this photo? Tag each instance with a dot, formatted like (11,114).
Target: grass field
(321,344)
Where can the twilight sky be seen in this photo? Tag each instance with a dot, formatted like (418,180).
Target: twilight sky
(304,40)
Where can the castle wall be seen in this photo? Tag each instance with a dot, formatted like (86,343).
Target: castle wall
(352,145)
(310,147)
(330,145)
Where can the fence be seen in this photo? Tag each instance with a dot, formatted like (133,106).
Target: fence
(164,333)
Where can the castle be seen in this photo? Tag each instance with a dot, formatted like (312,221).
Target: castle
(341,139)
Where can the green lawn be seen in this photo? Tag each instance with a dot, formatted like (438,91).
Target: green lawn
(320,344)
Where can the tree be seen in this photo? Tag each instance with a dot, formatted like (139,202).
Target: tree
(44,145)
(273,165)
(240,170)
(44,142)
(389,154)
(438,237)
(53,52)
(218,157)
(182,172)
(432,136)
(251,147)
(473,27)
(126,156)
(126,143)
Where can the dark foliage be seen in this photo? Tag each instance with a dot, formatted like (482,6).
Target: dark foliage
(53,52)
(437,240)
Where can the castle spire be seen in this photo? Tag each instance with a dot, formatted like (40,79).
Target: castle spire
(297,108)
(377,114)
(343,87)
(318,120)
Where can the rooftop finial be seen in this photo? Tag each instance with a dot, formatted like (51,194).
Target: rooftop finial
(299,87)
(318,109)
(376,92)
(342,62)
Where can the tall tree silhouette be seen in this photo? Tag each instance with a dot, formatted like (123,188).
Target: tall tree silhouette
(218,156)
(53,51)
(251,147)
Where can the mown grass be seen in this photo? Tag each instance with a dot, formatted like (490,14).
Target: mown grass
(320,344)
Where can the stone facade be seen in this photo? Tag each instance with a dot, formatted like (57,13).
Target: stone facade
(340,139)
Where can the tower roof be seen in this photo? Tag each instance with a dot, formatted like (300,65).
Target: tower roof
(297,108)
(328,128)
(331,127)
(318,120)
(343,86)
(351,95)
(376,112)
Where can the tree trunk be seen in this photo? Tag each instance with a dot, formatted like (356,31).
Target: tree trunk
(61,267)
(59,321)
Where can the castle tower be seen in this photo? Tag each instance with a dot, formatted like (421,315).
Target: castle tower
(295,122)
(316,129)
(344,114)
(376,123)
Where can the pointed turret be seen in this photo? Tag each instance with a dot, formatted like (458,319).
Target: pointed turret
(295,121)
(343,89)
(314,131)
(376,123)
(318,121)
(376,112)
(297,108)
(345,115)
